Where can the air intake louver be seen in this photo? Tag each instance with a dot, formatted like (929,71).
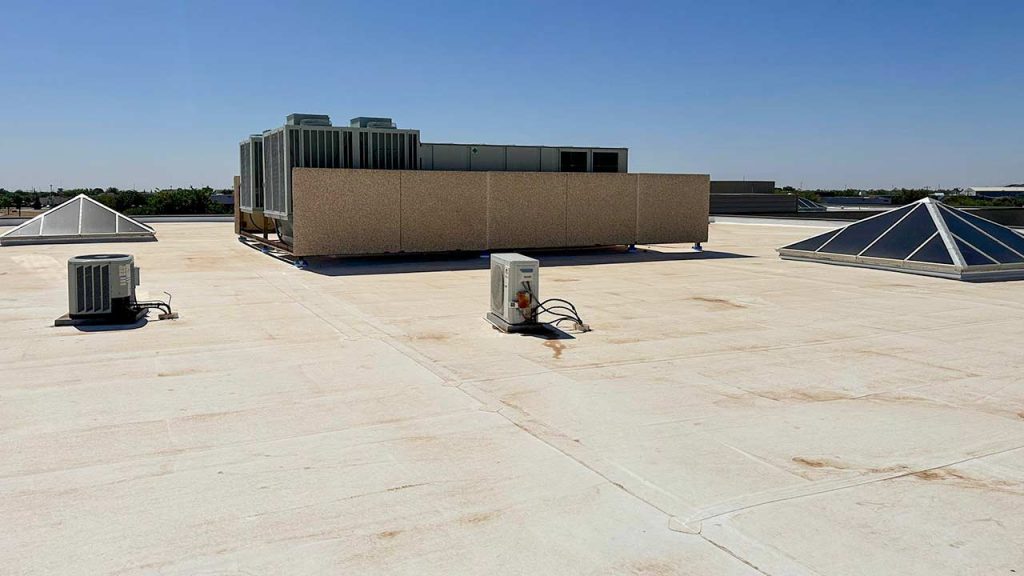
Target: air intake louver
(92,289)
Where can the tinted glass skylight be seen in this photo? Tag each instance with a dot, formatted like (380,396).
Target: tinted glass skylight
(1008,237)
(975,237)
(925,237)
(971,256)
(905,237)
(815,242)
(856,237)
(933,252)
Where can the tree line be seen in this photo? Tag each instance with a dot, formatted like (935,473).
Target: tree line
(900,196)
(131,202)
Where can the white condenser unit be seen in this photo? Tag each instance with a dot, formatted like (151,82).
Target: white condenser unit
(102,286)
(515,288)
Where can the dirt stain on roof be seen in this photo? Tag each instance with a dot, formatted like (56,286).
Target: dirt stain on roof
(556,348)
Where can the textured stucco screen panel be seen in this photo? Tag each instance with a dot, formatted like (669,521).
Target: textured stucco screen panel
(600,209)
(672,208)
(349,212)
(526,210)
(443,211)
(346,211)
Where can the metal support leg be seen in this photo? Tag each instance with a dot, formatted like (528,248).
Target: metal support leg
(631,248)
(697,247)
(301,263)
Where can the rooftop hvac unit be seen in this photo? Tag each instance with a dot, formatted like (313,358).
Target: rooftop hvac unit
(250,195)
(101,290)
(372,122)
(102,286)
(308,120)
(309,146)
(515,284)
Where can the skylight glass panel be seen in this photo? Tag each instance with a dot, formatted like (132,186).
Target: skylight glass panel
(899,242)
(933,252)
(813,243)
(856,237)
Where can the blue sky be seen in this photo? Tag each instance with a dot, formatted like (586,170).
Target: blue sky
(823,93)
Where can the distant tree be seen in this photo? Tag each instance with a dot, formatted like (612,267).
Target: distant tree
(1007,201)
(906,196)
(128,199)
(967,201)
(19,201)
(181,201)
(36,203)
(5,203)
(107,199)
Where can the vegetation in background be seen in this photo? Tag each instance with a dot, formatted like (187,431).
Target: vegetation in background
(900,196)
(132,202)
(978,201)
(806,194)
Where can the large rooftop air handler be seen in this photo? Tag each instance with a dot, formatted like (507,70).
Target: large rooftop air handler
(309,141)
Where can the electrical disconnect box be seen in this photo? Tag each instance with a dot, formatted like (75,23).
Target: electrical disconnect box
(515,290)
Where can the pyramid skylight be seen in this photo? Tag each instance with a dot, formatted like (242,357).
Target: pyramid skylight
(80,219)
(805,205)
(925,237)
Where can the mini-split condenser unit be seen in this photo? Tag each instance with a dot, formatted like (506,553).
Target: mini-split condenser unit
(515,288)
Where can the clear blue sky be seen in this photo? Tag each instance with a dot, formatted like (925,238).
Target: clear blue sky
(824,93)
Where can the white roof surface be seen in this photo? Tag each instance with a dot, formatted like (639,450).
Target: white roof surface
(728,415)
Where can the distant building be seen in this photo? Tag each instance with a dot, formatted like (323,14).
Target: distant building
(223,199)
(742,186)
(856,200)
(1011,191)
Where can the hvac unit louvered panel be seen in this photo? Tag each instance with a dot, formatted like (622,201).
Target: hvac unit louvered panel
(276,173)
(245,191)
(256,169)
(92,290)
(309,146)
